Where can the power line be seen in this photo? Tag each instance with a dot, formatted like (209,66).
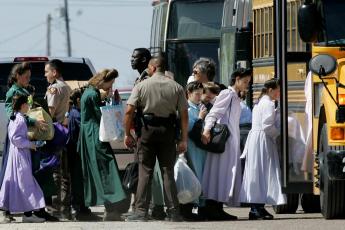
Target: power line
(21,33)
(38,42)
(101,40)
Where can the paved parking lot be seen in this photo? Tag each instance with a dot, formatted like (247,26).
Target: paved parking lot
(298,221)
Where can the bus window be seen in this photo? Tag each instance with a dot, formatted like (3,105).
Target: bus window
(195,19)
(181,56)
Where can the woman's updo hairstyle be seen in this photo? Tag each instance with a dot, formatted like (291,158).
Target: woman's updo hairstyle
(272,83)
(19,69)
(241,73)
(104,75)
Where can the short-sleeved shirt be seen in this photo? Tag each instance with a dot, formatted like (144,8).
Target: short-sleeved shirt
(159,95)
(57,96)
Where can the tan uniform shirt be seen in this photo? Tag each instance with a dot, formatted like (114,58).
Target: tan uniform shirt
(159,95)
(57,96)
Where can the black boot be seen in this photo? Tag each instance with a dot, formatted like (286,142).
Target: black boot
(224,215)
(186,211)
(258,212)
(211,210)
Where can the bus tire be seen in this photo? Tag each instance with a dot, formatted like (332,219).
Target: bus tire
(332,192)
(291,205)
(310,203)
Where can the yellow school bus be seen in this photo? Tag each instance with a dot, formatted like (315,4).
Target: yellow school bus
(321,25)
(295,160)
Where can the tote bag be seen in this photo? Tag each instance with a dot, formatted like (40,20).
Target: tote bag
(35,133)
(111,125)
(219,135)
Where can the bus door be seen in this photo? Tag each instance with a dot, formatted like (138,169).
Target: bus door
(296,160)
(291,67)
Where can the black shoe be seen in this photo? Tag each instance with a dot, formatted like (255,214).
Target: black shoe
(158,213)
(226,216)
(86,216)
(266,215)
(136,217)
(173,215)
(260,214)
(66,215)
(45,215)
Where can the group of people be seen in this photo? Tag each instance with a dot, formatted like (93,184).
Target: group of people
(86,173)
(159,101)
(164,112)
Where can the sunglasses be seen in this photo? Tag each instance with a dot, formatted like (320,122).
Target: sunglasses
(195,72)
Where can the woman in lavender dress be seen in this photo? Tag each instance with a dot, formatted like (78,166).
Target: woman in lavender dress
(20,191)
(222,172)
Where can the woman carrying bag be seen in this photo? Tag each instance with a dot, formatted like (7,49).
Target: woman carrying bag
(102,185)
(222,172)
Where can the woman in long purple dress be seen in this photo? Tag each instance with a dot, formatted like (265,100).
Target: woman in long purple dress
(222,172)
(20,191)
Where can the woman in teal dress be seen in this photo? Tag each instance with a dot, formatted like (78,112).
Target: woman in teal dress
(102,185)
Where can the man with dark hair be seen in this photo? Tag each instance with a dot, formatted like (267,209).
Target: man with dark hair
(139,61)
(160,98)
(57,97)
(58,91)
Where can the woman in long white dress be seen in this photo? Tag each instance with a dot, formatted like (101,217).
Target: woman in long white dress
(261,179)
(221,180)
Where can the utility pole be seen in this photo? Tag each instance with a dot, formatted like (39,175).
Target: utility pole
(69,52)
(49,19)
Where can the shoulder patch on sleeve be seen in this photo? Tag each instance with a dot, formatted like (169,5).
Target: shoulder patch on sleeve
(52,90)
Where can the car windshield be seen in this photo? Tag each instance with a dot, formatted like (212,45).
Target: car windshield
(72,71)
(334,32)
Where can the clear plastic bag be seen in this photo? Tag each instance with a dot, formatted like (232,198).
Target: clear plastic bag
(188,185)
(111,125)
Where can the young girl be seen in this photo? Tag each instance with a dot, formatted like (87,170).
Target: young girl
(221,181)
(19,191)
(261,180)
(196,156)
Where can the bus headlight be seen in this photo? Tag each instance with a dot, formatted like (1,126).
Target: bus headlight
(337,133)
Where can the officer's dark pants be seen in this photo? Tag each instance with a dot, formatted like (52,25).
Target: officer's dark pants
(62,181)
(156,141)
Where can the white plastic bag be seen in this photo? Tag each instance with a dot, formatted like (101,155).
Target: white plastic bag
(188,185)
(111,125)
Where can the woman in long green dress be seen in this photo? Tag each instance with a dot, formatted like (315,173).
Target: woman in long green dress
(102,185)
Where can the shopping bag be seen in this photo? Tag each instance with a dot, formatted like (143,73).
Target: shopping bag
(39,134)
(187,184)
(111,125)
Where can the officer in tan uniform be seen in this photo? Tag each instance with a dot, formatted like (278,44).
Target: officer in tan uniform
(58,91)
(160,98)
(57,97)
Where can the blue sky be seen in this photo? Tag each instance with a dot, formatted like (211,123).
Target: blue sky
(106,31)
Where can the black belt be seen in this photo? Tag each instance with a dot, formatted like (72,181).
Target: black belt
(153,120)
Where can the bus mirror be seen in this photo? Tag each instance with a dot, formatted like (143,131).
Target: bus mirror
(323,65)
(308,22)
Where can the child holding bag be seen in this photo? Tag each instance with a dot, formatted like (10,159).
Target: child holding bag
(20,191)
(261,180)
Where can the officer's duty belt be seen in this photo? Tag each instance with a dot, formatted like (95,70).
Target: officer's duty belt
(158,121)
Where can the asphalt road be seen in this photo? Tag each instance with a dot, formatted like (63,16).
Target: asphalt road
(298,221)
